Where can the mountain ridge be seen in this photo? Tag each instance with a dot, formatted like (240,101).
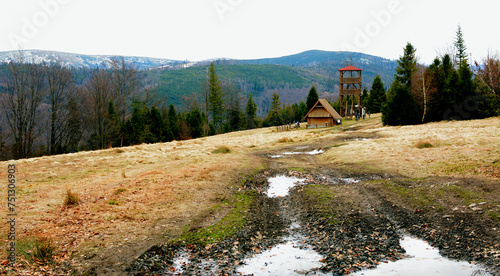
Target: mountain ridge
(305,58)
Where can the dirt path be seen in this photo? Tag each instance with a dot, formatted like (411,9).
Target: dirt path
(352,216)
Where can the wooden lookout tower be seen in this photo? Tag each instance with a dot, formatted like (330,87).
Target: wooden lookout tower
(350,91)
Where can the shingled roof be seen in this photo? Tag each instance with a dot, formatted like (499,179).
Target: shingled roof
(327,107)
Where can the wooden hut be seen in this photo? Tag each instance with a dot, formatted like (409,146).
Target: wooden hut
(321,114)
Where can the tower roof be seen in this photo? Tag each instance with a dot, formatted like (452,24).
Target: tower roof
(350,68)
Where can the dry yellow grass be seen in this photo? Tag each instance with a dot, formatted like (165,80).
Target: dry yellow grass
(128,194)
(458,148)
(137,193)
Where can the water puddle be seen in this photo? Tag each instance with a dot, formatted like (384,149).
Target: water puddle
(280,185)
(423,260)
(288,153)
(293,257)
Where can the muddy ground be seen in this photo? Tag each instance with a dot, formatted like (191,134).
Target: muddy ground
(351,215)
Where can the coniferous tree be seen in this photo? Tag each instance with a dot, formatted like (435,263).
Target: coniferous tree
(166,131)
(377,96)
(195,122)
(461,49)
(215,98)
(155,123)
(112,133)
(312,98)
(401,108)
(251,112)
(173,122)
(303,110)
(407,65)
(274,115)
(466,98)
(135,127)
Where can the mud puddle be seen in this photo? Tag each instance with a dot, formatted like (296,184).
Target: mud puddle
(280,185)
(423,259)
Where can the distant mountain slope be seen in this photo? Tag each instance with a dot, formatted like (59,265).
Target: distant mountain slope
(86,61)
(181,82)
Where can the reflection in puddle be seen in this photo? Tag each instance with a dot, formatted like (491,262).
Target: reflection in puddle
(283,259)
(423,260)
(293,257)
(280,185)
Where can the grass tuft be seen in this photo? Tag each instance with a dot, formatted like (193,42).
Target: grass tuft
(422,144)
(222,149)
(113,202)
(71,199)
(37,249)
(119,191)
(285,140)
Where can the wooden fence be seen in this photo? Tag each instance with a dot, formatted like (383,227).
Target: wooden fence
(287,127)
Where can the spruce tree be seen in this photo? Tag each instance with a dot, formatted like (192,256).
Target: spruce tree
(312,98)
(173,121)
(461,49)
(112,123)
(195,122)
(155,123)
(400,108)
(215,99)
(377,96)
(407,65)
(251,112)
(303,110)
(274,115)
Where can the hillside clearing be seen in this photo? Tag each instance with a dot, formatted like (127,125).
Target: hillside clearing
(135,197)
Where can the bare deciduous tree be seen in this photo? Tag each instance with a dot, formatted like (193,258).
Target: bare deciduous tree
(25,90)
(99,90)
(59,82)
(489,74)
(125,85)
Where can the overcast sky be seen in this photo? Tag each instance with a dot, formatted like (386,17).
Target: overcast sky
(203,29)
